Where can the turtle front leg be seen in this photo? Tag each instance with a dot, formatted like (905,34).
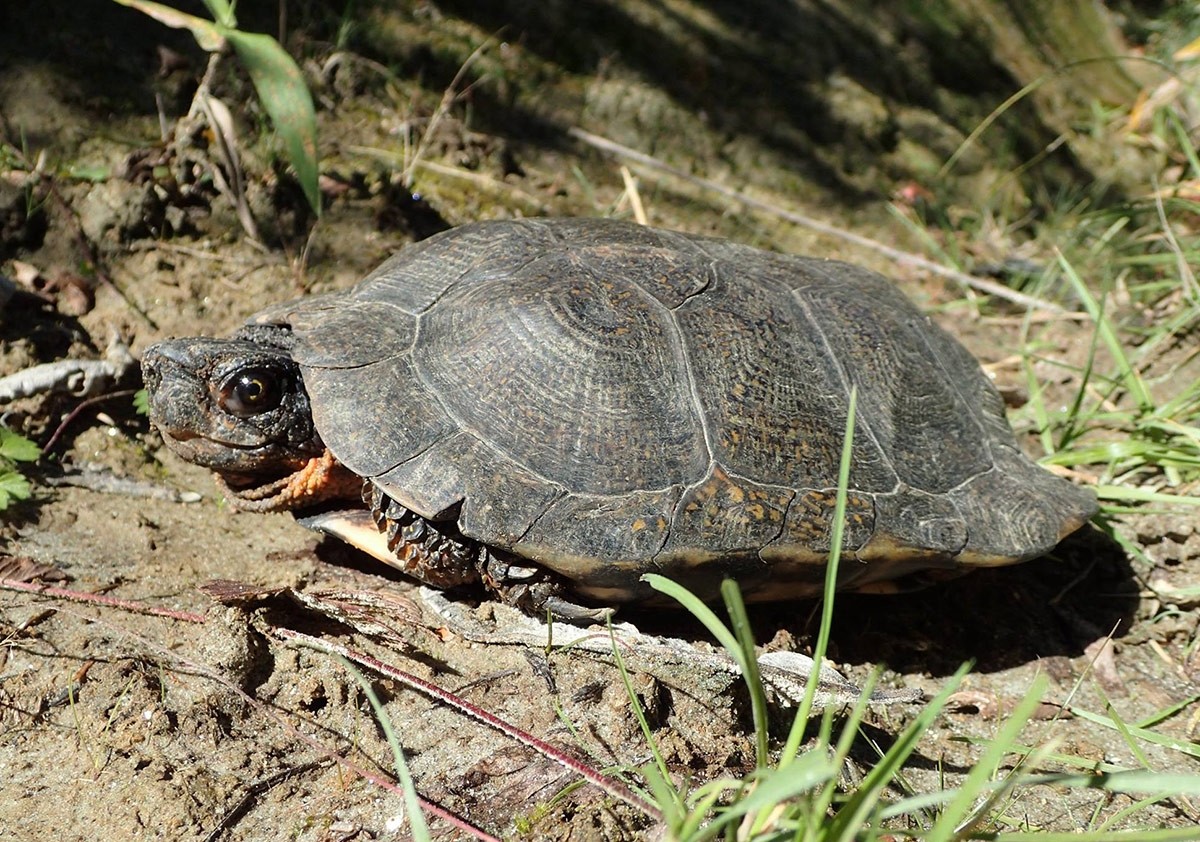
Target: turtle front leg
(535,590)
(432,552)
(427,557)
(436,553)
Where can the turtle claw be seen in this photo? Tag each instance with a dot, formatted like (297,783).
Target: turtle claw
(536,590)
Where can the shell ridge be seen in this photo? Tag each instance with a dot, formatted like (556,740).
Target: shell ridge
(683,495)
(431,390)
(392,270)
(971,402)
(680,351)
(831,354)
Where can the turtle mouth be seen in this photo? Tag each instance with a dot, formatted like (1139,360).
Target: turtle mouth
(241,463)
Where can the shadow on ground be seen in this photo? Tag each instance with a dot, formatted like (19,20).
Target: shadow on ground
(997,618)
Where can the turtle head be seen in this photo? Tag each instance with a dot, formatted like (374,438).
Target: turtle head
(235,406)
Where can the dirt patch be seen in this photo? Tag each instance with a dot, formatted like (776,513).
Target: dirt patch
(117,725)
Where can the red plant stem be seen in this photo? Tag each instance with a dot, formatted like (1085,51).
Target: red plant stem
(272,713)
(610,785)
(79,408)
(101,599)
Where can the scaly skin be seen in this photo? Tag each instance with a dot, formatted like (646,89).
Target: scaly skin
(318,480)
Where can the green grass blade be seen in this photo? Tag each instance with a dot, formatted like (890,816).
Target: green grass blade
(1139,782)
(1187,701)
(813,770)
(980,775)
(412,804)
(666,798)
(700,611)
(207,34)
(745,637)
(800,720)
(1130,494)
(865,797)
(284,94)
(663,772)
(822,801)
(1131,731)
(1108,335)
(222,12)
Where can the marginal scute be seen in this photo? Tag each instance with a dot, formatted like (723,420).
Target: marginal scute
(726,514)
(375,416)
(379,331)
(1031,510)
(809,523)
(420,274)
(594,537)
(283,312)
(499,499)
(911,523)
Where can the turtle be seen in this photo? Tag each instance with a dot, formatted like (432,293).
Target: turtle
(555,407)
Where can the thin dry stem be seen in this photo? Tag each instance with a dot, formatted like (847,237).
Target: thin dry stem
(448,98)
(904,258)
(635,198)
(100,599)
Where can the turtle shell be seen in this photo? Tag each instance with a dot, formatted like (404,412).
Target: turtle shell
(608,399)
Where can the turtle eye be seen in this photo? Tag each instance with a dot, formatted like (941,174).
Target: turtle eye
(251,391)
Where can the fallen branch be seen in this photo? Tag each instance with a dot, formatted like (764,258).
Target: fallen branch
(904,258)
(675,662)
(104,481)
(79,378)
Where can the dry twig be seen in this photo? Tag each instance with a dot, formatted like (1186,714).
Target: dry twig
(904,258)
(80,378)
